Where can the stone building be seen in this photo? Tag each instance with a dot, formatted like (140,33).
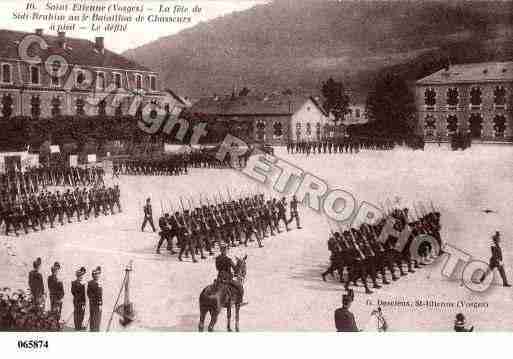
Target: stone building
(274,119)
(470,98)
(70,73)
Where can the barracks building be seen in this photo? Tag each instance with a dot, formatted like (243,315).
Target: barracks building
(475,99)
(52,89)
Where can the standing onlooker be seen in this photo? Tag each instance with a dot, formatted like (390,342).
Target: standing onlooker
(95,295)
(56,291)
(79,299)
(344,319)
(36,285)
(459,324)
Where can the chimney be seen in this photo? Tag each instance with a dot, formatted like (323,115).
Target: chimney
(61,39)
(99,44)
(39,32)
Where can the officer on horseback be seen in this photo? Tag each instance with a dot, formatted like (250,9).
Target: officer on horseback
(224,266)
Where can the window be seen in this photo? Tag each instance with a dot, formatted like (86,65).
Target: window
(308,129)
(452,124)
(475,125)
(79,77)
(7,103)
(475,98)
(499,126)
(318,130)
(34,75)
(80,103)
(430,99)
(357,113)
(102,108)
(298,131)
(260,130)
(56,107)
(6,73)
(153,83)
(499,97)
(138,81)
(100,80)
(278,130)
(117,80)
(35,106)
(55,81)
(452,98)
(429,126)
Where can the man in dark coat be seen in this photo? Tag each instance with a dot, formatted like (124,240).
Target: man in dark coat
(36,285)
(148,216)
(95,295)
(79,299)
(344,319)
(56,290)
(496,260)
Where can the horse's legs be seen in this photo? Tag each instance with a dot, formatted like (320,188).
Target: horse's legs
(237,309)
(213,319)
(201,324)
(228,317)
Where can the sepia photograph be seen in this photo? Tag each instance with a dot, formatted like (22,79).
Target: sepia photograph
(259,166)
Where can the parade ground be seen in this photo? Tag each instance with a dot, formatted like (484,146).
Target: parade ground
(284,288)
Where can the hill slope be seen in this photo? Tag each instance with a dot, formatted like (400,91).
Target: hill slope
(284,44)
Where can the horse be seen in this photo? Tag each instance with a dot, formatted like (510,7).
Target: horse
(220,295)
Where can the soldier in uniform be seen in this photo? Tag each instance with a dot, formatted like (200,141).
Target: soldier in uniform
(459,324)
(79,299)
(36,285)
(344,319)
(224,266)
(165,232)
(294,212)
(95,295)
(148,216)
(56,290)
(496,260)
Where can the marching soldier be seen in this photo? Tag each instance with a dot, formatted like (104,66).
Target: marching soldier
(148,216)
(95,295)
(56,290)
(294,212)
(79,299)
(496,260)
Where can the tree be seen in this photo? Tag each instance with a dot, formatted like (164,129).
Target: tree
(336,99)
(391,103)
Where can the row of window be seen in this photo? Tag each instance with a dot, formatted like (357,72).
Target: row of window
(475,97)
(277,128)
(79,78)
(475,125)
(56,102)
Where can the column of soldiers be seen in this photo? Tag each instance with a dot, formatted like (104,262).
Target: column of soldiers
(342,145)
(363,254)
(33,179)
(170,166)
(231,222)
(27,311)
(38,211)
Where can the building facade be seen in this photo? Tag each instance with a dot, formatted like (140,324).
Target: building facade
(474,99)
(277,119)
(75,77)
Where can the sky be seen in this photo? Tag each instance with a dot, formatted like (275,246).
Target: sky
(137,34)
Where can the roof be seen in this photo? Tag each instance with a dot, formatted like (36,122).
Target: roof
(283,105)
(77,52)
(471,73)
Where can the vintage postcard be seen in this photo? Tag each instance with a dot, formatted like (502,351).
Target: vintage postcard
(255,166)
